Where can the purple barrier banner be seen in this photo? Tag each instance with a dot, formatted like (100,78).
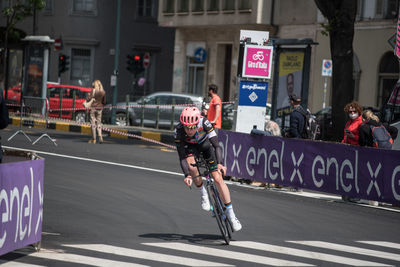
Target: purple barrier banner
(367,173)
(21,204)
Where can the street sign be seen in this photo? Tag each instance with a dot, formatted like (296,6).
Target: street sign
(146,60)
(200,55)
(327,67)
(57,44)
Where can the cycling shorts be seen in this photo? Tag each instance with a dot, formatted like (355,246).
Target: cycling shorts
(206,149)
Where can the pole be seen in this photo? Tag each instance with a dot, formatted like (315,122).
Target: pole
(115,91)
(325,84)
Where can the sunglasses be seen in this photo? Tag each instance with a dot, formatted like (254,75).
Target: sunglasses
(191,127)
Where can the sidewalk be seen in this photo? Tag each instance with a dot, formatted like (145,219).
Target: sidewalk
(164,136)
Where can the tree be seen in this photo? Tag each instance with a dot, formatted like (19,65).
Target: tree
(341,16)
(15,11)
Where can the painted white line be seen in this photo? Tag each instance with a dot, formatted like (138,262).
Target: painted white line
(350,249)
(97,161)
(79,259)
(17,264)
(382,244)
(146,255)
(227,254)
(305,254)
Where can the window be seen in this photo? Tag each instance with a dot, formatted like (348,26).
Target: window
(81,67)
(48,8)
(213,5)
(183,6)
(244,5)
(169,6)
(377,9)
(145,8)
(197,5)
(388,76)
(194,77)
(84,6)
(228,5)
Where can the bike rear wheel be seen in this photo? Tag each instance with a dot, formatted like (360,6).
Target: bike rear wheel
(217,207)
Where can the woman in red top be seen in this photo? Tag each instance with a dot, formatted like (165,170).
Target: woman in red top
(352,127)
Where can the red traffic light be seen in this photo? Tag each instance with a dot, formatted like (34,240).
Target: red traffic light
(136,58)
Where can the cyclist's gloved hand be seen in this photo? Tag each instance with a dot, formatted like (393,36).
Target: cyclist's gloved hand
(222,169)
(188,180)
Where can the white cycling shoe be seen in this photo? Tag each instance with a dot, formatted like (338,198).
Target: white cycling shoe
(236,225)
(205,203)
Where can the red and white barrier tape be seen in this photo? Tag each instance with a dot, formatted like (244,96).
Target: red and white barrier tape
(108,130)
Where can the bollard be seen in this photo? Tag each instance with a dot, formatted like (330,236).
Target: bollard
(127,110)
(157,113)
(73,104)
(142,116)
(173,113)
(60,105)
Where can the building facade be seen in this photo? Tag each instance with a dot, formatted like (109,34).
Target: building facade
(87,29)
(215,25)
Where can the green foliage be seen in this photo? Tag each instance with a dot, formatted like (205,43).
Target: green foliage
(18,10)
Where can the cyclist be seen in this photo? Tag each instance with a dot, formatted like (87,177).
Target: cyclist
(195,134)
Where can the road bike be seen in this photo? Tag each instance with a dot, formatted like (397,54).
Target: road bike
(217,205)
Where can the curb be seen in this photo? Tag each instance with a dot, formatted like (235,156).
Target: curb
(163,136)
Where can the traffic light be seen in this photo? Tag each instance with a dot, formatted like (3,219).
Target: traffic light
(63,63)
(135,63)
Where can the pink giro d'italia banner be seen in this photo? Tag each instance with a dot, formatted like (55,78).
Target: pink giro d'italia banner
(21,204)
(257,61)
(368,173)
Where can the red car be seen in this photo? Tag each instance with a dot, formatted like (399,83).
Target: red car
(57,94)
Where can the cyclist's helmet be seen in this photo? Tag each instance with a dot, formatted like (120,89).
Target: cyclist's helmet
(190,116)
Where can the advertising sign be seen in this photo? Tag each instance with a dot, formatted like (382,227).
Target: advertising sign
(21,204)
(257,61)
(290,79)
(34,74)
(253,93)
(363,172)
(397,48)
(252,106)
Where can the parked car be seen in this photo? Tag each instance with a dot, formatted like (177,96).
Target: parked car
(60,96)
(167,106)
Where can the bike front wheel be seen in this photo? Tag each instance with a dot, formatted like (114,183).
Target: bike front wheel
(218,209)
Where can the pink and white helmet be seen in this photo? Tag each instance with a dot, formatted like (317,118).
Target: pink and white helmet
(190,116)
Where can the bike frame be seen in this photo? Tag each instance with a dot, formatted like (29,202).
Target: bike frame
(217,206)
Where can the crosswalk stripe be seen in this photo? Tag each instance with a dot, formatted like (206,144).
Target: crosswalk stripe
(17,264)
(146,255)
(382,244)
(350,249)
(74,258)
(233,255)
(305,253)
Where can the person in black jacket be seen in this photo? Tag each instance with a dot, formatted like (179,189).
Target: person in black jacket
(297,119)
(370,119)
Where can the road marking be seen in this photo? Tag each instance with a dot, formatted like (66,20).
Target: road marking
(382,244)
(305,253)
(97,161)
(350,249)
(17,264)
(146,255)
(233,255)
(79,259)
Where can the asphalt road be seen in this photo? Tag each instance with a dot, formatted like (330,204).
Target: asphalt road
(124,203)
